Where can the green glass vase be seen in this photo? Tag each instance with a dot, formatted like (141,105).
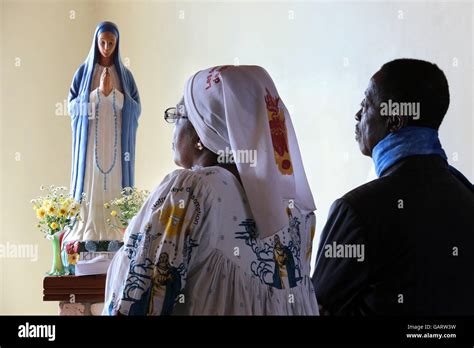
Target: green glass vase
(57,268)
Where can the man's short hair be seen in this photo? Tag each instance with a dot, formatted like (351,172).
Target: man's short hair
(413,80)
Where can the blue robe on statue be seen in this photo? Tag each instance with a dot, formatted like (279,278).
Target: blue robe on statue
(80,111)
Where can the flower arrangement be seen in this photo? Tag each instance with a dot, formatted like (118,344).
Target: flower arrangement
(55,211)
(126,207)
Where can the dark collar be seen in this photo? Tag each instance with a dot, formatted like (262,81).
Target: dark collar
(417,163)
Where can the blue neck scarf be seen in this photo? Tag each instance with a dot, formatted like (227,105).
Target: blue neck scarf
(410,141)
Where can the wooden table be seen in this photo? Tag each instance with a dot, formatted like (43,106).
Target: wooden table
(77,295)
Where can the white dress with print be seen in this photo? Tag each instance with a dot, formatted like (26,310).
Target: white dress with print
(194,249)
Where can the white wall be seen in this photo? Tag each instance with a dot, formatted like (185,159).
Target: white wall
(320,54)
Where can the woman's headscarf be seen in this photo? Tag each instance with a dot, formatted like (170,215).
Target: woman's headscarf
(238,108)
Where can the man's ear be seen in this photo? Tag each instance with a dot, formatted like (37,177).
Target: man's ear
(395,123)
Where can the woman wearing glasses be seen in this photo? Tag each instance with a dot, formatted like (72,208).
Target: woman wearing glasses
(231,233)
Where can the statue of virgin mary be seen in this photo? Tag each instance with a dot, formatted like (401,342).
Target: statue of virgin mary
(104,106)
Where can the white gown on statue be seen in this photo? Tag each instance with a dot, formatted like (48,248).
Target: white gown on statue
(93,224)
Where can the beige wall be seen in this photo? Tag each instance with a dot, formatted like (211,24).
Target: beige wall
(320,55)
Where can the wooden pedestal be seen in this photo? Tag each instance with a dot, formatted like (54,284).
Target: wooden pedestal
(77,295)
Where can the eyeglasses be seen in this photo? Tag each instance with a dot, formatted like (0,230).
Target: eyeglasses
(172,114)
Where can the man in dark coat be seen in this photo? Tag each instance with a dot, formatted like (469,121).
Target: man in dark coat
(403,243)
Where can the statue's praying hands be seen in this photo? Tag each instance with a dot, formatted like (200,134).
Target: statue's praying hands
(105,83)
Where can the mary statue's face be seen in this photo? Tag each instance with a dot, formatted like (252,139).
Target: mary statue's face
(106,42)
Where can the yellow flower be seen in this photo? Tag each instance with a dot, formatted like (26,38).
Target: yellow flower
(54,225)
(73,209)
(67,203)
(51,210)
(113,213)
(106,205)
(62,211)
(72,258)
(40,213)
